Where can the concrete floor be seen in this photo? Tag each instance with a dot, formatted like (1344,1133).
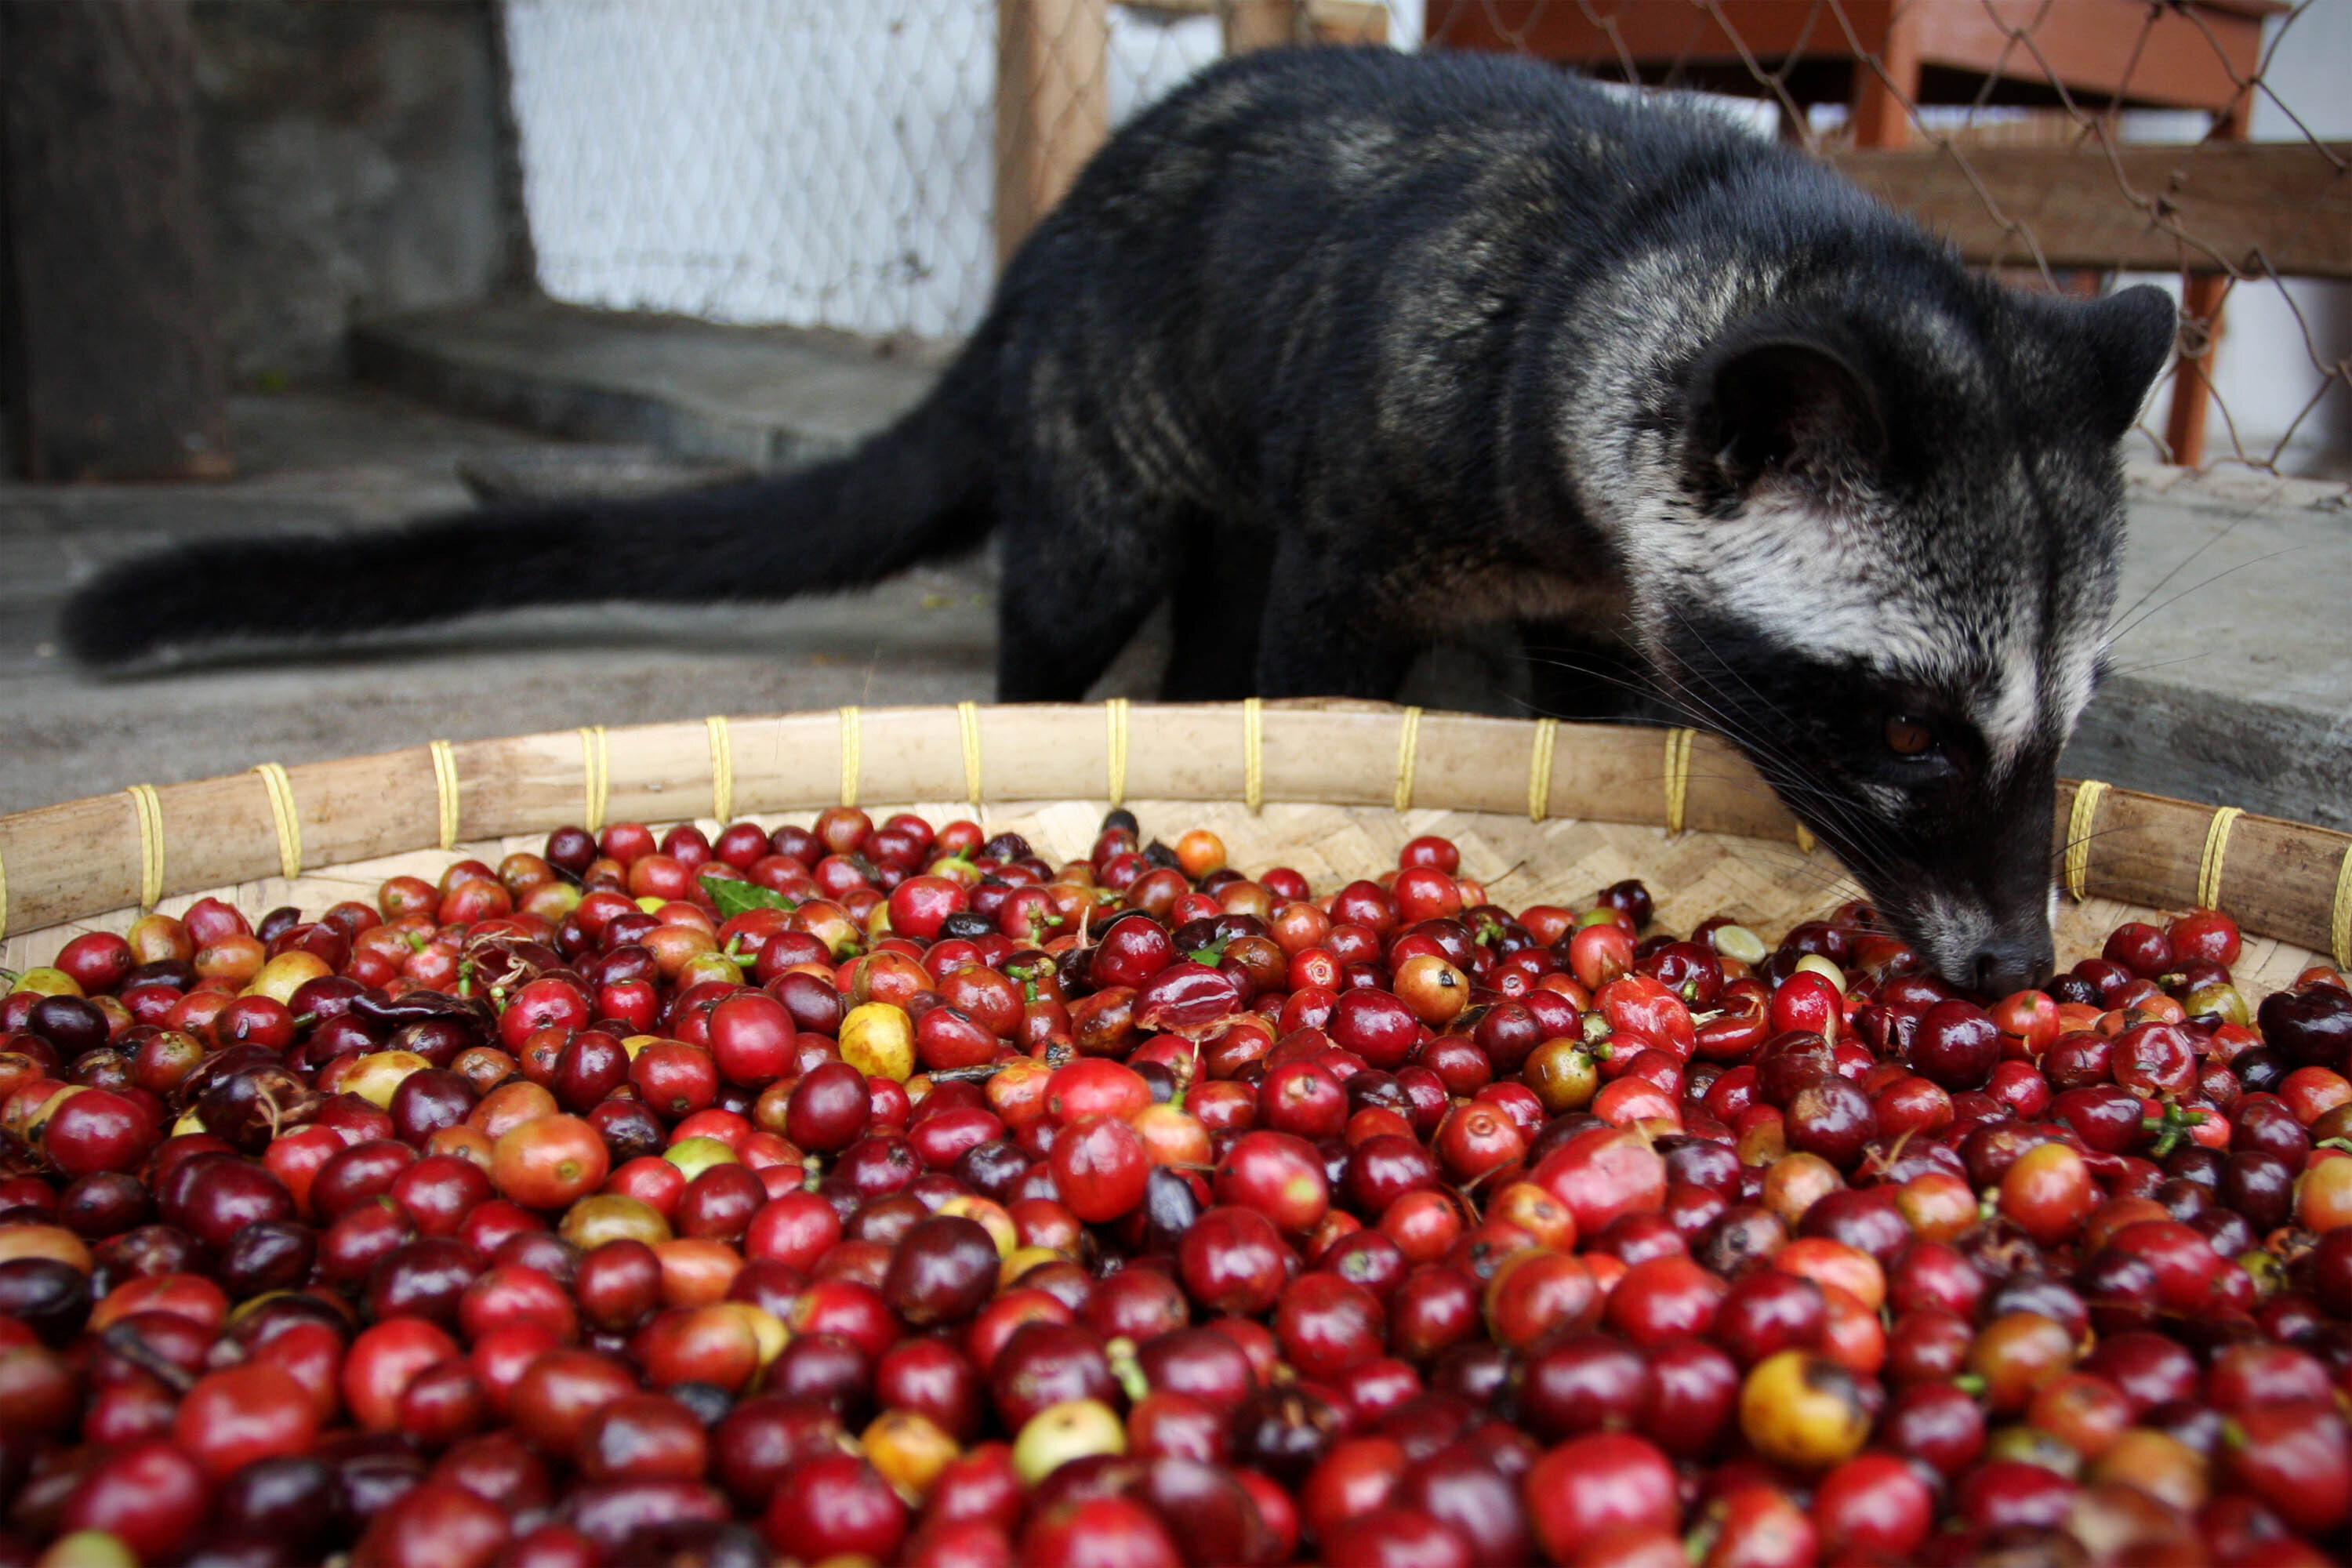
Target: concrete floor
(2236,687)
(351,459)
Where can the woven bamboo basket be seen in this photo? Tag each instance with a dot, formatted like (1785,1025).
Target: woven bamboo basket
(1544,812)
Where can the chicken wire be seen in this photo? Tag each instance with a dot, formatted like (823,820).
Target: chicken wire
(833,162)
(812,162)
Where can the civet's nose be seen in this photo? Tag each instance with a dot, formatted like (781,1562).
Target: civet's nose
(2007,964)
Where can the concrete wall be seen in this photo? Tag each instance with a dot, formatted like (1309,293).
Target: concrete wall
(357,159)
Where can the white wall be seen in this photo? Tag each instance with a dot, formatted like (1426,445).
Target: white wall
(2266,374)
(820,162)
(798,161)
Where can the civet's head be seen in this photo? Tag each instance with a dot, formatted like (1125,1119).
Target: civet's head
(1887,571)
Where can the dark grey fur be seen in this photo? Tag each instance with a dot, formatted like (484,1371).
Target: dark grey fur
(1348,351)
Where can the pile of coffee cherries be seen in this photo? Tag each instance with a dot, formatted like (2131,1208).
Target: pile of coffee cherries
(877,1193)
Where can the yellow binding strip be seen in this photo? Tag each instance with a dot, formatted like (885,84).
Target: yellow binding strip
(1678,750)
(723,769)
(1408,757)
(149,808)
(1115,749)
(853,763)
(596,763)
(2085,811)
(289,820)
(2339,925)
(2217,848)
(968,721)
(1253,754)
(445,786)
(1539,769)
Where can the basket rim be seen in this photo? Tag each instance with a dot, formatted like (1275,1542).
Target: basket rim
(104,854)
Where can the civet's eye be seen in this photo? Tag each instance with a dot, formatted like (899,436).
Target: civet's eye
(1909,737)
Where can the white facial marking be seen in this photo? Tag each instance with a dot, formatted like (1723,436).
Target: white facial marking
(1807,578)
(2073,671)
(2006,715)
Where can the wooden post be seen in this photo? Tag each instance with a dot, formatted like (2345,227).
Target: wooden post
(1270,23)
(112,366)
(2200,300)
(1348,21)
(1884,96)
(1259,24)
(2192,378)
(1053,105)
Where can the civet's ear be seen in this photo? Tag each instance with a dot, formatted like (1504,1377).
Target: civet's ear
(1782,405)
(2131,336)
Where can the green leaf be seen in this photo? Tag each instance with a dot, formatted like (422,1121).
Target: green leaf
(734,896)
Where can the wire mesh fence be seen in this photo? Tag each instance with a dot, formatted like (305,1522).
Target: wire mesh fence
(814,163)
(863,166)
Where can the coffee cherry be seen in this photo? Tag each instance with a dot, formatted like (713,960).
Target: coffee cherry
(1802,1409)
(955,1222)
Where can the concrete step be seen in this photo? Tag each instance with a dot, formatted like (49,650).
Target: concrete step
(763,396)
(346,459)
(2232,674)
